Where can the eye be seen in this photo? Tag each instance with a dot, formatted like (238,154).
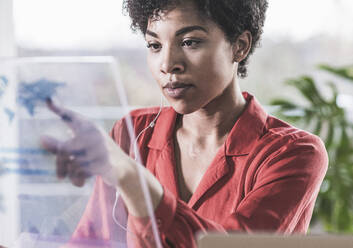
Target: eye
(191,43)
(154,47)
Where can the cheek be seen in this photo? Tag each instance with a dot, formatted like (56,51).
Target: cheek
(214,68)
(224,69)
(215,61)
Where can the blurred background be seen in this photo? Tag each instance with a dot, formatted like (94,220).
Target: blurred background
(306,51)
(298,35)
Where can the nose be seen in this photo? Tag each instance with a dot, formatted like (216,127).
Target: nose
(171,61)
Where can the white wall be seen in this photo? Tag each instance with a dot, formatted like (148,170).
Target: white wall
(7,41)
(8,219)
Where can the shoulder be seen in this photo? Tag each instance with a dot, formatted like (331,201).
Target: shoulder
(285,141)
(282,131)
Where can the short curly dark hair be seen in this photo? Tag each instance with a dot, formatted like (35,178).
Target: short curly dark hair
(232,16)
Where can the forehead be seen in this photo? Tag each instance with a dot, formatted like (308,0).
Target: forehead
(175,17)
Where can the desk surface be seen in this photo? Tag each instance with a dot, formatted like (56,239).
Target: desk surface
(274,241)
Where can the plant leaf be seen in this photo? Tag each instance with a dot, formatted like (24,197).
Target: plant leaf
(343,72)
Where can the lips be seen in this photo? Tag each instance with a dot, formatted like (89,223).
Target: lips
(176,89)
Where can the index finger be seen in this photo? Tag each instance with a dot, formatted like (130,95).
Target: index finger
(71,118)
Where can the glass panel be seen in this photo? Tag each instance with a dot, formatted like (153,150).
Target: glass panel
(36,208)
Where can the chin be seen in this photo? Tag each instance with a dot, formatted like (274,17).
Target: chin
(183,108)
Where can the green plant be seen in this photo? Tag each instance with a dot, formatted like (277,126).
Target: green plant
(324,117)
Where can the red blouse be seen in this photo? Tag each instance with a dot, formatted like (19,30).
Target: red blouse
(266,177)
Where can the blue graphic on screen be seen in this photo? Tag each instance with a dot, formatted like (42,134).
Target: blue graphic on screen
(10,114)
(3,84)
(30,94)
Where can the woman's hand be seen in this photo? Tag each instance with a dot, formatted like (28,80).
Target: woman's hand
(92,152)
(89,152)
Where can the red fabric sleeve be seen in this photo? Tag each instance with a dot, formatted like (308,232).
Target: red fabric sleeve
(177,224)
(96,227)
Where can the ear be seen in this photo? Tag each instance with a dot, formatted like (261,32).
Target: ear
(241,46)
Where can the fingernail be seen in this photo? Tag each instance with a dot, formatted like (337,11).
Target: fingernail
(48,100)
(66,118)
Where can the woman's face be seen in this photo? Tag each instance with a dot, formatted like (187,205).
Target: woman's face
(190,58)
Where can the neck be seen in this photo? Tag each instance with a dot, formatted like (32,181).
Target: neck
(212,123)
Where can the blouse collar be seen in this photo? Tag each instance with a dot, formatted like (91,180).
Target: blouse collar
(248,128)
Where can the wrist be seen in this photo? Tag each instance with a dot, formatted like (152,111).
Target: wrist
(133,193)
(119,172)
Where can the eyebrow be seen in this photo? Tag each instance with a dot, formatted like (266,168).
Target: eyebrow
(180,31)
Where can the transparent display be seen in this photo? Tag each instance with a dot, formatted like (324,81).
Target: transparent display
(36,208)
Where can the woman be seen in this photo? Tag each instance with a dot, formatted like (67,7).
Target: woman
(215,160)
